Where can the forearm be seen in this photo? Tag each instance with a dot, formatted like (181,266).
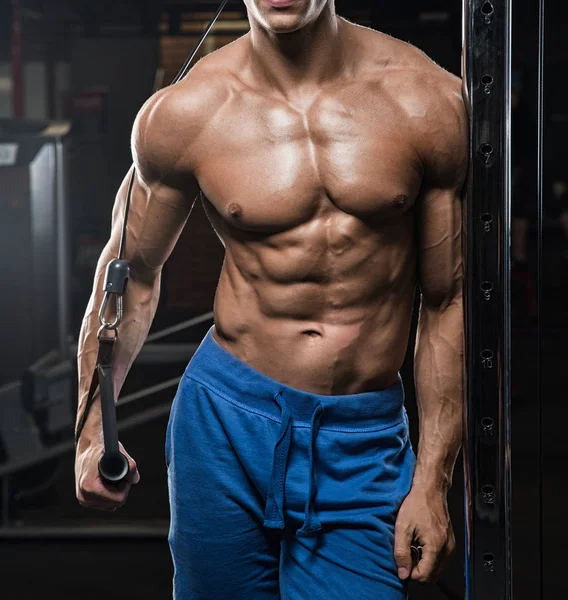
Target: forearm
(439,380)
(140,303)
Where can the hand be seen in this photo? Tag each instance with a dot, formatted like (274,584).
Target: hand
(423,520)
(91,490)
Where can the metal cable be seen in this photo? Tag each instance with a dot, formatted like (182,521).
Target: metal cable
(540,166)
(182,73)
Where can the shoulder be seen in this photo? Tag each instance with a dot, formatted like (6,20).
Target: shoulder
(441,134)
(431,101)
(171,121)
(437,115)
(428,98)
(424,91)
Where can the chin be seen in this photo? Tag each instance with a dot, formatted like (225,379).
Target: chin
(287,20)
(283,23)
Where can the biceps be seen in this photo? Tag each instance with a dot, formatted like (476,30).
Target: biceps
(440,247)
(156,218)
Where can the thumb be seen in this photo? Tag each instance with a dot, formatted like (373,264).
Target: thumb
(402,552)
(133,474)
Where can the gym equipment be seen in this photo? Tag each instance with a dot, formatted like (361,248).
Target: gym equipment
(487,83)
(33,163)
(36,414)
(113,465)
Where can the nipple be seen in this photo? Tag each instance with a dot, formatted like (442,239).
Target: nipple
(400,200)
(235,210)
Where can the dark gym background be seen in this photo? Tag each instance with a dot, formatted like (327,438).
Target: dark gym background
(93,64)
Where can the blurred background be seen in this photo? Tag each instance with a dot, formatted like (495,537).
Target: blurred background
(73,74)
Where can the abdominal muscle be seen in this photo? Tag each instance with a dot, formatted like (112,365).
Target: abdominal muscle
(342,327)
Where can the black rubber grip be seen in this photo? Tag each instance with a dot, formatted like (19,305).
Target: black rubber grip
(113,466)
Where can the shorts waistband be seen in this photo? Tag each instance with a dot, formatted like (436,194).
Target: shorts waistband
(216,368)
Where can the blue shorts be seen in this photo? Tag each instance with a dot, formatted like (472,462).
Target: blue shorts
(278,493)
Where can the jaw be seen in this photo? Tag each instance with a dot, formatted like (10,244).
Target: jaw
(284,20)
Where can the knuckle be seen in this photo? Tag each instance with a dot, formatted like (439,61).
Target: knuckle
(88,486)
(402,533)
(87,491)
(439,542)
(120,500)
(93,494)
(401,520)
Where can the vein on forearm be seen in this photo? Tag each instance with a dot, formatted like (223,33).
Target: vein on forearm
(438,373)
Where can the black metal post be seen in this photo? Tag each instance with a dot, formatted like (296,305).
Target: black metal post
(486,76)
(63,253)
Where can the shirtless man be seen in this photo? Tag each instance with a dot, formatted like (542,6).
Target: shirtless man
(331,160)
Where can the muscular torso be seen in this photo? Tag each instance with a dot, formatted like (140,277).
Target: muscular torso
(315,201)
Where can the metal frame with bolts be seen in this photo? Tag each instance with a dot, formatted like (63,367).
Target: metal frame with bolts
(487,84)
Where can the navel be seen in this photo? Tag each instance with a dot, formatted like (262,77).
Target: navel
(312,333)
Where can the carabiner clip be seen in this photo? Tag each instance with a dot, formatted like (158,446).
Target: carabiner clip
(118,317)
(102,329)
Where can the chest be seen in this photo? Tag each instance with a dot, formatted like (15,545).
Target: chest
(266,165)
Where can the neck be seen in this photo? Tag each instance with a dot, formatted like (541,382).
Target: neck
(309,56)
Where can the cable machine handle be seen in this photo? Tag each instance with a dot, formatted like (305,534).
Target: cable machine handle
(113,464)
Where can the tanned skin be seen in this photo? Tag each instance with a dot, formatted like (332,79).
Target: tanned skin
(331,160)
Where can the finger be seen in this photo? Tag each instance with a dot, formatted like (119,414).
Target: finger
(424,571)
(133,475)
(402,554)
(444,558)
(439,568)
(100,507)
(97,504)
(105,493)
(117,493)
(104,504)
